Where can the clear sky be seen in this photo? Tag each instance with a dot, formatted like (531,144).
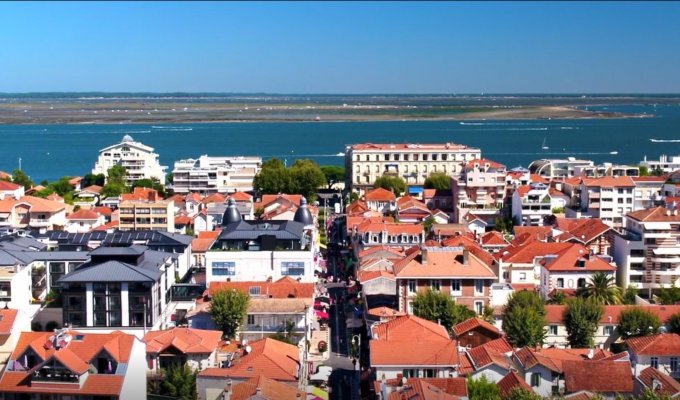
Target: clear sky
(353,47)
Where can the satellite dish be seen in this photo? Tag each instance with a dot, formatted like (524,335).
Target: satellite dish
(248,349)
(244,342)
(403,380)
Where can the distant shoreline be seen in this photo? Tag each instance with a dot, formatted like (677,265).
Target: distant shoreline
(145,113)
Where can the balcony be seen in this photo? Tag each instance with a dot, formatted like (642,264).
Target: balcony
(593,196)
(39,223)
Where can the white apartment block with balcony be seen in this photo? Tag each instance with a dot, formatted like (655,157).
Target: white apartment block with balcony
(648,191)
(532,203)
(480,190)
(606,169)
(665,164)
(139,161)
(608,198)
(207,175)
(648,254)
(558,168)
(146,215)
(364,163)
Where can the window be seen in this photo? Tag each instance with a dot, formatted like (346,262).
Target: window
(581,282)
(406,157)
(424,157)
(6,291)
(655,362)
(608,330)
(479,286)
(522,276)
(535,379)
(412,286)
(106,304)
(254,290)
(674,364)
(650,241)
(251,319)
(455,286)
(387,157)
(224,268)
(552,330)
(292,268)
(435,284)
(479,307)
(560,282)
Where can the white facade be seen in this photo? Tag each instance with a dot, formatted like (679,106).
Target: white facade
(138,159)
(84,225)
(665,163)
(364,163)
(215,174)
(529,207)
(260,265)
(609,204)
(134,381)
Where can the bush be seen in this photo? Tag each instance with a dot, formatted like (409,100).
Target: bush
(636,321)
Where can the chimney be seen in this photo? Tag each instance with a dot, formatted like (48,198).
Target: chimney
(466,255)
(258,391)
(423,255)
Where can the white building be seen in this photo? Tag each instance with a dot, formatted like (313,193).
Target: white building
(557,168)
(532,203)
(138,159)
(366,162)
(207,175)
(665,164)
(608,198)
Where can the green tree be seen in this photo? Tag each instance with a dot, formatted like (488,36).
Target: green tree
(502,224)
(393,183)
(228,309)
(333,173)
(482,389)
(524,319)
(674,323)
(179,382)
(273,178)
(644,171)
(648,394)
(20,178)
(435,306)
(170,177)
(581,318)
(558,298)
(636,321)
(487,315)
(629,295)
(43,193)
(93,179)
(285,333)
(306,178)
(668,296)
(117,174)
(602,288)
(152,183)
(62,186)
(427,225)
(112,190)
(438,180)
(519,393)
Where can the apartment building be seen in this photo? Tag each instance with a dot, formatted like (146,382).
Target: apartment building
(31,212)
(648,253)
(665,164)
(558,168)
(364,163)
(608,198)
(532,203)
(606,169)
(207,175)
(138,159)
(648,191)
(144,209)
(480,189)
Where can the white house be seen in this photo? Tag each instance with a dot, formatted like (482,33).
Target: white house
(531,203)
(84,220)
(139,161)
(196,348)
(660,351)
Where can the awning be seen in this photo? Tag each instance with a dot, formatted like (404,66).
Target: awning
(415,189)
(667,251)
(658,225)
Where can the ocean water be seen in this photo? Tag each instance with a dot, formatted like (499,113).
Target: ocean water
(51,151)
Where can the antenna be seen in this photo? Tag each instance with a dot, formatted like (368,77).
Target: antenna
(19,163)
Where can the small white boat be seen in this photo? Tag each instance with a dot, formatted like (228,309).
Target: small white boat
(545,147)
(614,152)
(341,154)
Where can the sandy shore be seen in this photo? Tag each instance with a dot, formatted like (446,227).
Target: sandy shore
(142,112)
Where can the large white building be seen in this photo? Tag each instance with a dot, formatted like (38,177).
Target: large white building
(364,163)
(208,175)
(665,164)
(138,159)
(608,198)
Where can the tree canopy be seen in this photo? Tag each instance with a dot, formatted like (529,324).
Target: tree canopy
(303,177)
(20,178)
(674,323)
(438,180)
(179,382)
(482,389)
(436,306)
(581,318)
(524,319)
(228,309)
(93,179)
(629,295)
(333,173)
(115,182)
(393,183)
(602,289)
(636,321)
(519,393)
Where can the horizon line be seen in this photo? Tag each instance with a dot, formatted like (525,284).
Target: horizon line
(439,94)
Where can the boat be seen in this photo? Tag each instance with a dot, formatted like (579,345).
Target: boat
(614,152)
(341,154)
(544,147)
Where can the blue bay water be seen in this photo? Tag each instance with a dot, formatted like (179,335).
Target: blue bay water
(51,151)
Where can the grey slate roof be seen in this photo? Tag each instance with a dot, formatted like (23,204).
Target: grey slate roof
(111,271)
(152,238)
(12,242)
(134,250)
(245,230)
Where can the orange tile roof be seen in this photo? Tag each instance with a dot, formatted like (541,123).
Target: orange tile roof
(36,204)
(583,230)
(552,358)
(8,186)
(283,288)
(511,381)
(183,220)
(185,340)
(269,389)
(527,253)
(540,233)
(92,188)
(482,162)
(365,276)
(201,245)
(587,375)
(568,258)
(416,388)
(583,395)
(443,264)
(385,312)
(103,210)
(379,194)
(535,178)
(94,385)
(657,214)
(271,358)
(668,387)
(392,228)
(474,323)
(7,318)
(71,361)
(106,226)
(241,196)
(483,356)
(493,238)
(609,181)
(610,315)
(214,198)
(372,250)
(141,194)
(5,175)
(83,214)
(663,344)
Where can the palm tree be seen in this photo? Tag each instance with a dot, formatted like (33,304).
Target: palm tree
(602,289)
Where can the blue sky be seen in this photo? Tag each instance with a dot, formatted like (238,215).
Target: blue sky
(352,47)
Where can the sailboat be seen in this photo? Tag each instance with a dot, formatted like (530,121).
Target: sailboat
(544,147)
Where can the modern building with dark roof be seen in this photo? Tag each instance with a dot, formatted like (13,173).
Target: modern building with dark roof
(261,250)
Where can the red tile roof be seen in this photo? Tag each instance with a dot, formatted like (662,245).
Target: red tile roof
(668,386)
(391,228)
(538,233)
(569,258)
(7,318)
(483,356)
(663,344)
(385,312)
(92,188)
(481,162)
(380,194)
(493,238)
(83,214)
(283,288)
(583,230)
(443,263)
(658,214)
(475,323)
(8,186)
(269,390)
(214,198)
(271,358)
(185,340)
(241,196)
(587,375)
(609,181)
(201,245)
(141,194)
(610,316)
(36,204)
(511,381)
(527,253)
(420,389)
(106,211)
(583,395)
